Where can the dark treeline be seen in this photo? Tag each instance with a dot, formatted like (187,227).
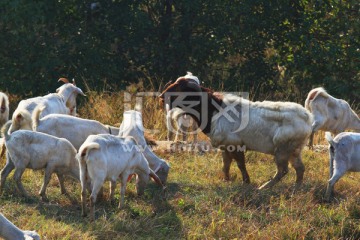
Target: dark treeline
(273,49)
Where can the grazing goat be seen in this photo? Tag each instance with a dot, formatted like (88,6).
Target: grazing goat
(344,151)
(74,129)
(184,124)
(9,231)
(234,123)
(4,108)
(132,125)
(106,157)
(35,150)
(330,114)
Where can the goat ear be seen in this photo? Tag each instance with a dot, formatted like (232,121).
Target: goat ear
(57,90)
(3,103)
(168,84)
(192,85)
(19,117)
(79,91)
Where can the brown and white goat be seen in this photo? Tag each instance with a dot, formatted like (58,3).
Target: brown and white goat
(231,122)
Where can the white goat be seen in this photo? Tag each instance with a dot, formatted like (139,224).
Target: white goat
(106,157)
(63,101)
(132,125)
(21,120)
(74,129)
(344,151)
(53,103)
(330,114)
(233,124)
(9,231)
(4,108)
(184,123)
(35,150)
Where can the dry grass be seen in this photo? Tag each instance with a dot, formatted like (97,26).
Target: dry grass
(199,205)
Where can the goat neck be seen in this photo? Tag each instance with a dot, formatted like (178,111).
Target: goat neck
(354,122)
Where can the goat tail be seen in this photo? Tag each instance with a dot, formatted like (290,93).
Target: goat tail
(36,116)
(84,150)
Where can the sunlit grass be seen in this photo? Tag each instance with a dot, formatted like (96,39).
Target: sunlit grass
(199,204)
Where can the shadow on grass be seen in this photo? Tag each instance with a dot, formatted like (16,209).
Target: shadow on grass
(148,216)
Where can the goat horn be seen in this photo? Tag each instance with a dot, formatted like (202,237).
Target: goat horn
(64,80)
(167,84)
(156,178)
(73,82)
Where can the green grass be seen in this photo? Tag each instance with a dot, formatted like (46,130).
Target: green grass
(199,204)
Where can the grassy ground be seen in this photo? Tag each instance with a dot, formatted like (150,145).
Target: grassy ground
(199,204)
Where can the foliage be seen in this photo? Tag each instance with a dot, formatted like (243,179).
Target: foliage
(276,49)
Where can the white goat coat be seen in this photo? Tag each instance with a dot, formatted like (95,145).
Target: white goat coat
(260,126)
(9,231)
(344,157)
(4,108)
(106,157)
(132,126)
(69,92)
(74,129)
(347,152)
(331,114)
(109,157)
(38,150)
(52,102)
(184,123)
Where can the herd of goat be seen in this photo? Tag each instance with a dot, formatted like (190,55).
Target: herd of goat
(45,133)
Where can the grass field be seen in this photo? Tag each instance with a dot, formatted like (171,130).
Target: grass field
(199,204)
